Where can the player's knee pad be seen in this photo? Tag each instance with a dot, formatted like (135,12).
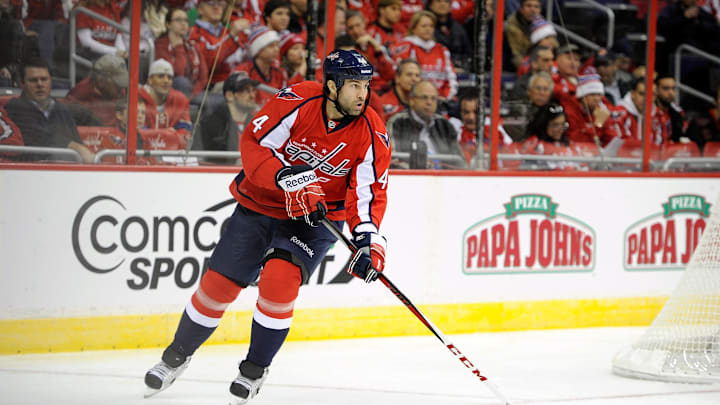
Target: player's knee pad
(279,285)
(215,293)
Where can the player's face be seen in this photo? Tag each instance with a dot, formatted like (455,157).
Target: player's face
(468,114)
(424,101)
(37,84)
(408,77)
(638,96)
(160,83)
(425,29)
(352,96)
(279,19)
(391,13)
(355,27)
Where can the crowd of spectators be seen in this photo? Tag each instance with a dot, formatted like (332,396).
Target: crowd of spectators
(207,66)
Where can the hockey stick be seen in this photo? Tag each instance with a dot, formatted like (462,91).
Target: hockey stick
(424,319)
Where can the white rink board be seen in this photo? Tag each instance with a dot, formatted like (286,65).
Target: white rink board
(426,221)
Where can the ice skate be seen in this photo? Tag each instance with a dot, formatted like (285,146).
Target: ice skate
(248,382)
(163,374)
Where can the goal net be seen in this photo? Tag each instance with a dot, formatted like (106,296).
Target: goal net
(683,342)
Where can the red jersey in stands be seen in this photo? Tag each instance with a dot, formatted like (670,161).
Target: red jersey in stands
(101,31)
(212,41)
(408,9)
(391,104)
(435,63)
(368,8)
(384,70)
(84,93)
(462,10)
(9,132)
(277,79)
(175,113)
(186,60)
(387,37)
(350,157)
(44,10)
(564,89)
(582,126)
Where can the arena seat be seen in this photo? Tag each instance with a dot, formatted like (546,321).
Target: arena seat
(679,150)
(711,149)
(161,139)
(99,138)
(586,149)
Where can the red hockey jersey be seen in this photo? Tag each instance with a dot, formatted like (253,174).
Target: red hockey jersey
(351,157)
(435,63)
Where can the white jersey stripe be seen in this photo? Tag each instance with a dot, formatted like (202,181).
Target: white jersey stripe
(271,323)
(365,178)
(199,318)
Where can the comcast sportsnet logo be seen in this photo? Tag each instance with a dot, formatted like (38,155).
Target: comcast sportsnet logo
(666,239)
(529,236)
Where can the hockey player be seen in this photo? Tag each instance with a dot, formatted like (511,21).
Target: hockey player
(313,151)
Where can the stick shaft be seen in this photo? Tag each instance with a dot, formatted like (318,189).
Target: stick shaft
(424,319)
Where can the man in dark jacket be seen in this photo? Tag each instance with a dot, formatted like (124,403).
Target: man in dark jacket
(422,123)
(42,120)
(221,129)
(451,34)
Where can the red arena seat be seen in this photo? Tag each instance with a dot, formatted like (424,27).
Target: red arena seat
(712,149)
(679,150)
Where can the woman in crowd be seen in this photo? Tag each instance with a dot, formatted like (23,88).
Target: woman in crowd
(292,57)
(190,68)
(434,58)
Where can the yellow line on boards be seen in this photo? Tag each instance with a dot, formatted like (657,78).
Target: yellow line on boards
(138,331)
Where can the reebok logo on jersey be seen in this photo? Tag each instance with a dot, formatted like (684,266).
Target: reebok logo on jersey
(302,245)
(288,94)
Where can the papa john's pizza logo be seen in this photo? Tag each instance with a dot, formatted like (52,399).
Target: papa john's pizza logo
(530,236)
(666,240)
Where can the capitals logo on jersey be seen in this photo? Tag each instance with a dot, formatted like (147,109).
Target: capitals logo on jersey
(288,94)
(384,138)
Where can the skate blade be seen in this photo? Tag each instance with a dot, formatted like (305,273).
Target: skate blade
(237,400)
(151,391)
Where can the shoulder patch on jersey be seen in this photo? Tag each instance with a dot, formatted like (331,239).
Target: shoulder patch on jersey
(384,138)
(288,94)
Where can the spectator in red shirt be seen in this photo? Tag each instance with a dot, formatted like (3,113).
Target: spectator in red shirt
(398,98)
(434,58)
(220,46)
(590,120)
(42,18)
(9,135)
(629,111)
(383,29)
(165,107)
(568,64)
(97,37)
(276,15)
(189,66)
(264,50)
(669,115)
(372,50)
(100,91)
(293,57)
